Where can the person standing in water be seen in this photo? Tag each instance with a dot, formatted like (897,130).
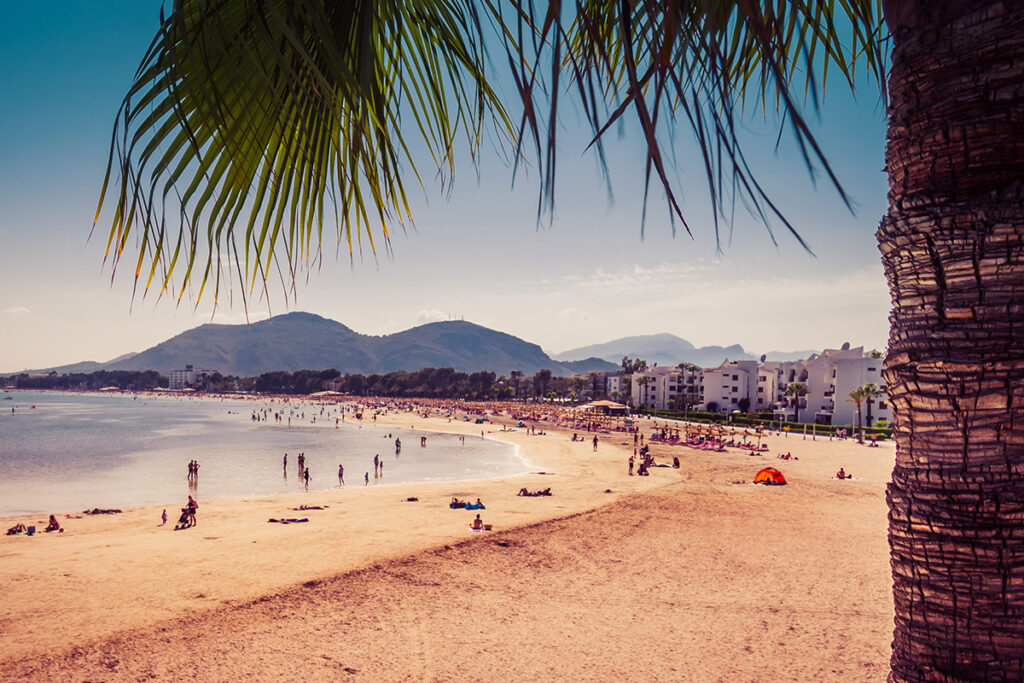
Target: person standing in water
(305,474)
(366,478)
(341,475)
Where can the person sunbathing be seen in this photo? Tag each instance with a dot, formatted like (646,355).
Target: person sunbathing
(841,474)
(54,525)
(478,524)
(18,528)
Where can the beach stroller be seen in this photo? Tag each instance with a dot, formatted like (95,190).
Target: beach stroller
(182,520)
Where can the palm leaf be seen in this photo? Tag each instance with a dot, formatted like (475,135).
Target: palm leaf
(257,124)
(697,64)
(253,125)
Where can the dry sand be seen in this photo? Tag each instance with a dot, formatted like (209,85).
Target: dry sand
(683,575)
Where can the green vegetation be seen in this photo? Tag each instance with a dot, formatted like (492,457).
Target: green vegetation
(763,420)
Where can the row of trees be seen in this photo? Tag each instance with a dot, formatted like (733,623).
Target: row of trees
(426,383)
(134,380)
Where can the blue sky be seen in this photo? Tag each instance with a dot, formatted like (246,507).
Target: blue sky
(476,253)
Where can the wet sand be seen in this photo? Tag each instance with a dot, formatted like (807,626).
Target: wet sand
(683,575)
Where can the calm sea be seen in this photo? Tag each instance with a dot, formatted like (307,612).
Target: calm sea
(68,452)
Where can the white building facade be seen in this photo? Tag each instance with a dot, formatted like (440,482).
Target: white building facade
(182,379)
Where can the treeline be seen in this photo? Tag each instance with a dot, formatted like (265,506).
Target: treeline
(425,383)
(123,379)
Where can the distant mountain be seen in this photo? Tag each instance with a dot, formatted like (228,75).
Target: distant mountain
(304,341)
(663,349)
(592,364)
(84,367)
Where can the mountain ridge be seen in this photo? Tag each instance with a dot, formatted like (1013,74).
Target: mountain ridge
(300,340)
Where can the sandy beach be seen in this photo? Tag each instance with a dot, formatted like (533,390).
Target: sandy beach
(682,575)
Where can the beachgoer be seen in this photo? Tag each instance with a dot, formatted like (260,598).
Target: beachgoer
(163,517)
(286,461)
(341,475)
(478,524)
(54,525)
(366,478)
(305,474)
(631,461)
(192,506)
(595,442)
(841,474)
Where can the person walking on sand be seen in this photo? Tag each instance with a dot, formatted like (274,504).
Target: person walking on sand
(163,517)
(595,443)
(631,462)
(341,475)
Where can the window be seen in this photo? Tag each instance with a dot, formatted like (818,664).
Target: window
(735,377)
(760,390)
(872,369)
(734,390)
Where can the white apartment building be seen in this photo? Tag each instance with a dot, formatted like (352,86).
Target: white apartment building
(731,385)
(182,379)
(657,388)
(615,387)
(830,377)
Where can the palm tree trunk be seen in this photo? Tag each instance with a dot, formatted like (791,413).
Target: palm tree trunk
(860,426)
(952,245)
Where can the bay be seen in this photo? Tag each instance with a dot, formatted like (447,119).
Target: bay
(67,452)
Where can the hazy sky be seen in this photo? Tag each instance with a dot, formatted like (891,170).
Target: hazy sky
(476,253)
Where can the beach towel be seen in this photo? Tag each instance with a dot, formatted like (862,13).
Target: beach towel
(289,520)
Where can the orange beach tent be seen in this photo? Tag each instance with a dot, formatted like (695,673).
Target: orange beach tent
(769,476)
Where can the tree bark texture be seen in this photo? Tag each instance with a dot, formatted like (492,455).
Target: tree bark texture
(952,245)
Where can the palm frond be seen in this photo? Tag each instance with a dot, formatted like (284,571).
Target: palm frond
(695,65)
(253,125)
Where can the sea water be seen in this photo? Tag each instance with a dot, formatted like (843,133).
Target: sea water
(66,452)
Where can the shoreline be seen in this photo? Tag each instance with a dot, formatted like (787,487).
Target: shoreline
(515,463)
(233,558)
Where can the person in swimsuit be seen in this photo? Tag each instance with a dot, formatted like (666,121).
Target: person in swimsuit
(192,506)
(341,475)
(305,474)
(478,524)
